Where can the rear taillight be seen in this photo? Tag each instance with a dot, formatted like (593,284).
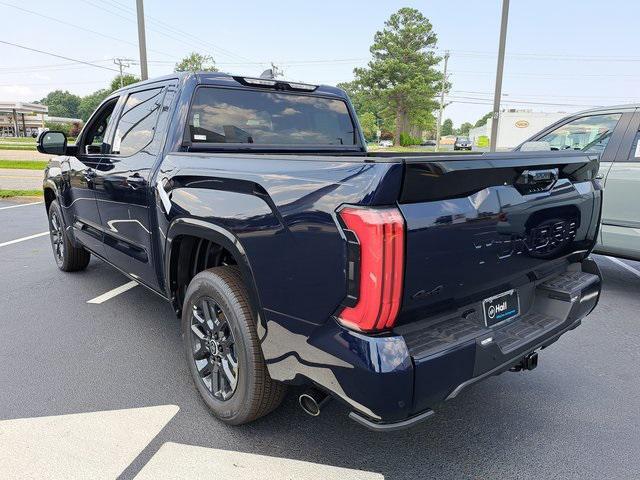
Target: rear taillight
(375,269)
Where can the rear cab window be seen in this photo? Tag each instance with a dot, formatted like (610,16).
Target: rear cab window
(253,118)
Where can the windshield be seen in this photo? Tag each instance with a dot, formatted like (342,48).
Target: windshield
(221,115)
(589,134)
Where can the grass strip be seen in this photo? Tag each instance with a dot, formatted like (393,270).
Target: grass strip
(20,193)
(18,146)
(23,164)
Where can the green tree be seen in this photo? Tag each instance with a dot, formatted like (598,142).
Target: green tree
(89,103)
(362,99)
(483,120)
(465,128)
(447,128)
(127,79)
(401,73)
(196,62)
(62,104)
(369,125)
(59,127)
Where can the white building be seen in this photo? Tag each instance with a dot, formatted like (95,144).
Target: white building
(515,127)
(21,119)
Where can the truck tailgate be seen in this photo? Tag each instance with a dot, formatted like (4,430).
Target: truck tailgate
(481,226)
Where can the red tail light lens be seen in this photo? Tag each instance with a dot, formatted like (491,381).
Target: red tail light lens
(380,235)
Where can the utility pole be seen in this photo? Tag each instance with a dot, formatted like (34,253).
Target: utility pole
(142,41)
(444,87)
(122,63)
(498,91)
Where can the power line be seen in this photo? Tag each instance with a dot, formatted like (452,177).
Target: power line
(525,95)
(164,28)
(79,27)
(46,68)
(176,30)
(43,84)
(57,56)
(545,75)
(549,56)
(486,101)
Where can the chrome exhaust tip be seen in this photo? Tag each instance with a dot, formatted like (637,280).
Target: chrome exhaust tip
(312,401)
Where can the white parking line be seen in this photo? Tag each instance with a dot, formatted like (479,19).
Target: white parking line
(112,293)
(95,445)
(21,205)
(625,266)
(17,240)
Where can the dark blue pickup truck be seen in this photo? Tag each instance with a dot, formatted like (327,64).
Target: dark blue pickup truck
(294,256)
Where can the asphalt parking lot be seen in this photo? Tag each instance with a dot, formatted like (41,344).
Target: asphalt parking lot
(112,383)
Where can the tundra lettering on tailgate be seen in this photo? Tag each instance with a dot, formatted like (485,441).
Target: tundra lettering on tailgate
(544,241)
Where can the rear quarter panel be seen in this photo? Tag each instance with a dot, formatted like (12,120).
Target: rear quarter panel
(281,211)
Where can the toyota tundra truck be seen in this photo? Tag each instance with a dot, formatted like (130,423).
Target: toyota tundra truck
(292,256)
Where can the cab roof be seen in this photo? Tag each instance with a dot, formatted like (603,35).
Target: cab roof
(226,79)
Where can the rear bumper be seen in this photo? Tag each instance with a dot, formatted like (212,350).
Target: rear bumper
(395,381)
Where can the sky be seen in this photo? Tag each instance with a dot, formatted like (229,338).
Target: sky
(562,55)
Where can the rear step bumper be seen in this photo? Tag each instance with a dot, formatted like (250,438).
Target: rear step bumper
(508,364)
(457,352)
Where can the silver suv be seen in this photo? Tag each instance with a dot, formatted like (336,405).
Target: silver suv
(612,132)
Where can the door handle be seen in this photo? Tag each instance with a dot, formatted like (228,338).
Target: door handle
(136,181)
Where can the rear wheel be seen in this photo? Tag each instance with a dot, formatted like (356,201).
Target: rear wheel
(68,257)
(222,349)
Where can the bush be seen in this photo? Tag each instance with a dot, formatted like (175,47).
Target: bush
(385,135)
(60,127)
(74,131)
(407,140)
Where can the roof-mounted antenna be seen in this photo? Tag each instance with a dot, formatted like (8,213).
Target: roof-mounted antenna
(272,72)
(268,73)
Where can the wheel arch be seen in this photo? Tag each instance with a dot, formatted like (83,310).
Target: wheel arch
(50,193)
(200,229)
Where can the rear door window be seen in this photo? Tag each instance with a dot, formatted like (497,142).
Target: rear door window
(234,116)
(137,123)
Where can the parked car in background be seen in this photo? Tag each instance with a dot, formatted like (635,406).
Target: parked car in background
(462,143)
(428,143)
(295,257)
(612,132)
(385,143)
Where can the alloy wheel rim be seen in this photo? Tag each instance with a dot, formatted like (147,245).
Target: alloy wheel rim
(213,348)
(57,241)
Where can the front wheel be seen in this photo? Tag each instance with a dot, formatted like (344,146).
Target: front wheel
(222,348)
(68,257)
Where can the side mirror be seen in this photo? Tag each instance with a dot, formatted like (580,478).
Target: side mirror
(535,147)
(52,142)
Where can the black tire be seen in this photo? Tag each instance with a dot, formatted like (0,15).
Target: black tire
(254,394)
(68,257)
